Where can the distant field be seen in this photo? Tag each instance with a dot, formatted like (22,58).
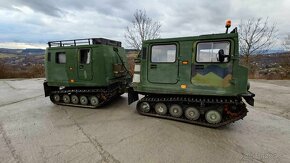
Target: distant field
(2,55)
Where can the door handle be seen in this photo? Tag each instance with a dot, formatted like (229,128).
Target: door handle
(153,66)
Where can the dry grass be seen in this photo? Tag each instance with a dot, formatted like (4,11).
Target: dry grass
(2,55)
(34,71)
(276,72)
(269,67)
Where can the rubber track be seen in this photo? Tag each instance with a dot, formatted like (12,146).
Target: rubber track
(85,92)
(196,100)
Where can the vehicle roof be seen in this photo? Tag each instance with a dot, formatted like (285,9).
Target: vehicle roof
(83,42)
(200,37)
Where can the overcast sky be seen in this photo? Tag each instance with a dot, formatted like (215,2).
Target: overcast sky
(32,23)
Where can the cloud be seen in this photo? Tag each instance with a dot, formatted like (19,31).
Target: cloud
(40,21)
(15,45)
(42,6)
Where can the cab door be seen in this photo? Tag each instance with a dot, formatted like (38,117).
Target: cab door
(163,64)
(85,64)
(208,70)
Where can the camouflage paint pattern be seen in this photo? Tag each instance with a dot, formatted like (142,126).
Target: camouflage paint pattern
(218,79)
(212,76)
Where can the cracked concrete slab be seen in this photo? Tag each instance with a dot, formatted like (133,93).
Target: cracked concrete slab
(7,151)
(32,129)
(15,90)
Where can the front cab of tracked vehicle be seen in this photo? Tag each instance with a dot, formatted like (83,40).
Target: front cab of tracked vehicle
(195,79)
(206,65)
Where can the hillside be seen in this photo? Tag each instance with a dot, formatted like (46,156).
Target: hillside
(270,66)
(21,63)
(3,55)
(27,63)
(22,51)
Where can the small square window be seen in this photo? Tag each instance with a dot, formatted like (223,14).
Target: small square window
(163,53)
(60,57)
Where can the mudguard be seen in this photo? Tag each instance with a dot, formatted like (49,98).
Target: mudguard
(132,95)
(249,98)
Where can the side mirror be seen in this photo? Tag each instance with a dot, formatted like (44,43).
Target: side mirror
(221,55)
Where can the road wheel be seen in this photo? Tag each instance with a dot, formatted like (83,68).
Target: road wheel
(75,99)
(160,108)
(175,110)
(56,98)
(94,101)
(192,113)
(83,100)
(66,99)
(144,107)
(213,116)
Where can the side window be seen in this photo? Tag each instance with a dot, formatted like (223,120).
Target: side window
(208,51)
(85,56)
(60,57)
(48,56)
(163,53)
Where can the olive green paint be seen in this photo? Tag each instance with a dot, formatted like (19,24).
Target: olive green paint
(96,74)
(232,84)
(169,71)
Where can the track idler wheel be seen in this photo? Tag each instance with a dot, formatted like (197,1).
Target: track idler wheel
(84,100)
(213,116)
(175,110)
(94,101)
(75,99)
(160,108)
(144,107)
(56,98)
(192,113)
(66,99)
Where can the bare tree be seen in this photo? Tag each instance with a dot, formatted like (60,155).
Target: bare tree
(142,28)
(286,43)
(256,36)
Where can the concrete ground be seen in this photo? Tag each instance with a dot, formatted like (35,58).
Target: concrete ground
(32,129)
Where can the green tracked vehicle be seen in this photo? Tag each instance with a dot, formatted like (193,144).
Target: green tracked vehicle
(85,72)
(195,79)
(192,79)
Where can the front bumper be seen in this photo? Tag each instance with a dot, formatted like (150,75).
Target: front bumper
(249,97)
